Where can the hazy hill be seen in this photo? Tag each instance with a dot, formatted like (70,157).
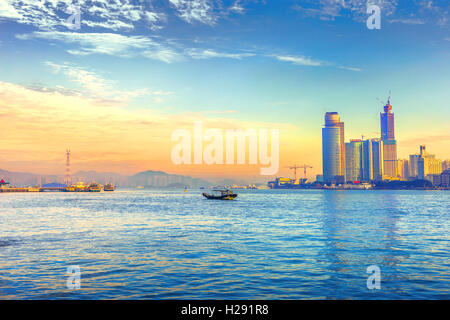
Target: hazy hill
(146,179)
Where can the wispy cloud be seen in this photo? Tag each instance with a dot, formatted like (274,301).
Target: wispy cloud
(209,53)
(195,11)
(237,7)
(94,86)
(107,43)
(407,21)
(350,68)
(331,9)
(300,60)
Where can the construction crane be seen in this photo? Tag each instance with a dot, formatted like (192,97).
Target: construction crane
(388,99)
(295,167)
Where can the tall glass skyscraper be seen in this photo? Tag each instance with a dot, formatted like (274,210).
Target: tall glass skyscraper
(333,152)
(387,123)
(377,156)
(363,160)
(390,168)
(366,160)
(353,158)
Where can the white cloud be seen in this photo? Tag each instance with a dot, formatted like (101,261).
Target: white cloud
(331,9)
(195,11)
(8,11)
(350,68)
(300,60)
(209,53)
(93,85)
(107,43)
(407,21)
(237,7)
(108,14)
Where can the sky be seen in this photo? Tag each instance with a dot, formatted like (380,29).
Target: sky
(115,88)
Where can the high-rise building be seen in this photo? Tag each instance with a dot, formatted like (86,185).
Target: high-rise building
(366,160)
(390,169)
(353,160)
(403,169)
(387,123)
(445,178)
(428,164)
(414,166)
(333,154)
(363,160)
(445,165)
(377,159)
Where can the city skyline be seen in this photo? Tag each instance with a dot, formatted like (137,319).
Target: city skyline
(114,90)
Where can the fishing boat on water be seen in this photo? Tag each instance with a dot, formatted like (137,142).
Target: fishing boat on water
(224,194)
(109,187)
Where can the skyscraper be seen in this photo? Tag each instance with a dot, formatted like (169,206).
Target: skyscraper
(353,160)
(366,160)
(414,166)
(403,169)
(390,168)
(362,159)
(428,164)
(377,159)
(333,154)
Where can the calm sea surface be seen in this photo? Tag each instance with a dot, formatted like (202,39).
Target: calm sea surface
(268,244)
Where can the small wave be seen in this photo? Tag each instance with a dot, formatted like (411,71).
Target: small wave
(7,242)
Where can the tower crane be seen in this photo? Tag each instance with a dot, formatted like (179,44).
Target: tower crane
(295,167)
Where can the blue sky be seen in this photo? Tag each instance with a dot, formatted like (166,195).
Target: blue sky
(270,61)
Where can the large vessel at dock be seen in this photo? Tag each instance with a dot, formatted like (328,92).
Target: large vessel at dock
(78,187)
(95,187)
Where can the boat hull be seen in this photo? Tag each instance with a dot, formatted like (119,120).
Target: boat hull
(221,197)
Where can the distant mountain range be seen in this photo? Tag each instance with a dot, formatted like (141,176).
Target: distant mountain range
(145,179)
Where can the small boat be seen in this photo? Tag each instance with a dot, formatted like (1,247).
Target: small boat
(109,187)
(224,195)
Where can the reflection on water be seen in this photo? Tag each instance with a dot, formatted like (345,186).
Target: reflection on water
(269,244)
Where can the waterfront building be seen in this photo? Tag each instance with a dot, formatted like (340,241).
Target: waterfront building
(366,160)
(414,166)
(435,179)
(428,164)
(333,149)
(445,179)
(390,169)
(403,169)
(353,160)
(445,165)
(377,159)
(363,160)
